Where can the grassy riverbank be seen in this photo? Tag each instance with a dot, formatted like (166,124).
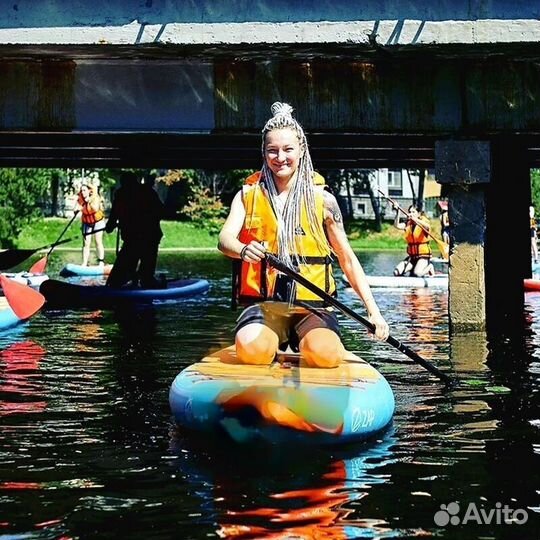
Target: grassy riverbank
(176,235)
(182,235)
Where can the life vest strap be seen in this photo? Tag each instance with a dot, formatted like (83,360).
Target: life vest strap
(235,281)
(311,260)
(245,300)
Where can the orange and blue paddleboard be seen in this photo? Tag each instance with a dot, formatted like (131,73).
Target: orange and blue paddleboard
(282,402)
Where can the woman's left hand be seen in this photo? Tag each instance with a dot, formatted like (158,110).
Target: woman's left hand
(382,330)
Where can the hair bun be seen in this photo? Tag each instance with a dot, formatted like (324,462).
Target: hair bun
(281,109)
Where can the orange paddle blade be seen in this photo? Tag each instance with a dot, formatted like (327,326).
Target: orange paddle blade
(444,248)
(23,300)
(39,266)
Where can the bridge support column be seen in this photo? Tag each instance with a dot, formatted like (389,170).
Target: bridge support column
(488,187)
(464,166)
(508,249)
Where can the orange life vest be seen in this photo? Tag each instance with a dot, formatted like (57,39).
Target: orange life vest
(255,282)
(89,214)
(417,239)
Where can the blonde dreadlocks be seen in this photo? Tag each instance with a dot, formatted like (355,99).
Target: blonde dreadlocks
(301,194)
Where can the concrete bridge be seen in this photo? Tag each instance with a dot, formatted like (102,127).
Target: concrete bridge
(454,86)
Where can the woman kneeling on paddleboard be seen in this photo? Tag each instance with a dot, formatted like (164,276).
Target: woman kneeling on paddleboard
(418,260)
(285,210)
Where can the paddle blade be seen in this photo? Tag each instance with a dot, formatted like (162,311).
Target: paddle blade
(12,257)
(444,248)
(23,300)
(39,266)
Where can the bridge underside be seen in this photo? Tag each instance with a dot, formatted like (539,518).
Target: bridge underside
(203,106)
(225,151)
(369,106)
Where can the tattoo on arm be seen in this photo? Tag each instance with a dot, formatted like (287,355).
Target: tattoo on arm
(332,207)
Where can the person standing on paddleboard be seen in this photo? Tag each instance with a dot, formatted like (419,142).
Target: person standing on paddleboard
(136,210)
(90,204)
(285,210)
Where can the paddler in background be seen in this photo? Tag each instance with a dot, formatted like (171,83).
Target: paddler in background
(285,209)
(418,260)
(90,204)
(136,210)
(534,236)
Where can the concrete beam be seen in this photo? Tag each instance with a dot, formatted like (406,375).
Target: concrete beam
(463,162)
(382,33)
(214,22)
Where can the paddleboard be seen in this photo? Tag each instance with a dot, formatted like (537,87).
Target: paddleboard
(439,281)
(71,269)
(283,402)
(531,285)
(27,278)
(64,294)
(8,319)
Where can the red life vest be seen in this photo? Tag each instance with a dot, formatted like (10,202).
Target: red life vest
(417,239)
(89,214)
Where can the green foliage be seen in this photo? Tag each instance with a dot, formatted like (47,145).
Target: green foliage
(20,190)
(203,196)
(535,190)
(205,209)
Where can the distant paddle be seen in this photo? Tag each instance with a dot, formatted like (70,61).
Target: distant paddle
(39,266)
(12,257)
(444,248)
(276,263)
(22,299)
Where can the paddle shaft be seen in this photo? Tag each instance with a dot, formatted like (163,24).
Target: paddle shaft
(62,233)
(92,232)
(443,247)
(278,265)
(17,256)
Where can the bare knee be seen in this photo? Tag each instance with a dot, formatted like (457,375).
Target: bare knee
(421,268)
(256,344)
(399,270)
(322,348)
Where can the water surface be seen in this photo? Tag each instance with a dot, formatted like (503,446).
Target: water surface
(88,448)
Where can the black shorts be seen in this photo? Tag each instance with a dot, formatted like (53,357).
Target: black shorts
(290,325)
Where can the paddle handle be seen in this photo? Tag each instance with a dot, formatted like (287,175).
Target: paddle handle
(278,265)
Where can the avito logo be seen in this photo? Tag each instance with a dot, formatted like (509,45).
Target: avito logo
(500,515)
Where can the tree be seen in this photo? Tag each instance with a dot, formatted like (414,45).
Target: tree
(20,192)
(535,189)
(355,182)
(202,196)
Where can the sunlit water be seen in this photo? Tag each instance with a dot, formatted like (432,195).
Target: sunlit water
(88,448)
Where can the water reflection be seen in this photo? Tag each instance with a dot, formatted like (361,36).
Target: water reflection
(272,493)
(425,310)
(21,388)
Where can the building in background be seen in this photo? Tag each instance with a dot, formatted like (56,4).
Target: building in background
(402,185)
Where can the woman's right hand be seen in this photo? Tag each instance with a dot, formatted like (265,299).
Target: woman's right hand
(253,252)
